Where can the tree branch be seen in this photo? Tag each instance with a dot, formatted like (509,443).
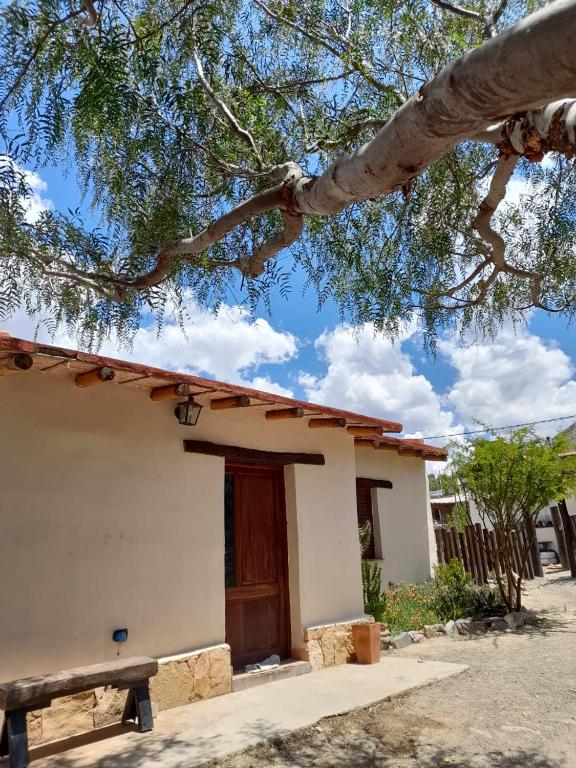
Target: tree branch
(496,193)
(225,111)
(358,66)
(36,50)
(457,9)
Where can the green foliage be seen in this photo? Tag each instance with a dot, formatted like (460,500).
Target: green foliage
(452,594)
(458,596)
(365,534)
(510,478)
(459,517)
(453,589)
(118,109)
(374,597)
(410,606)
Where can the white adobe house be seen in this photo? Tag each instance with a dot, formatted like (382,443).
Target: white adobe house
(215,542)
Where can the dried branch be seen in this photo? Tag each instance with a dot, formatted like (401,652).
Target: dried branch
(226,112)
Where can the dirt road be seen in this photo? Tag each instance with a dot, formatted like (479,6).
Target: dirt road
(515,706)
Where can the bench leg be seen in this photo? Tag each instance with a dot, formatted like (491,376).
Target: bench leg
(14,739)
(144,709)
(138,707)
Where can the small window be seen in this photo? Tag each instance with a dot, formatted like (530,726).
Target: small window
(229,570)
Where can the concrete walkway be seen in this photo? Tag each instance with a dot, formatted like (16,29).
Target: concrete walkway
(189,736)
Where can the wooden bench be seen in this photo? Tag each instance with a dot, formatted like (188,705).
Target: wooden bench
(21,696)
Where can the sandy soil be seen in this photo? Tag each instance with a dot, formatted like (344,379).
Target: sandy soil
(515,706)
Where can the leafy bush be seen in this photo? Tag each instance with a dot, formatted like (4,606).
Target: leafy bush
(410,606)
(453,589)
(485,603)
(457,595)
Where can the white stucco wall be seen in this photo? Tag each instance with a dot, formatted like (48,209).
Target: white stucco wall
(106,523)
(407,544)
(322,519)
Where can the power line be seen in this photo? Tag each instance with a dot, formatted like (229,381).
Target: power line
(499,429)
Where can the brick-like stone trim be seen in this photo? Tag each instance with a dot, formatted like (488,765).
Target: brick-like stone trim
(182,679)
(330,644)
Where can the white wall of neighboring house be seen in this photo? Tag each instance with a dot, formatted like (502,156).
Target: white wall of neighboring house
(106,522)
(403,529)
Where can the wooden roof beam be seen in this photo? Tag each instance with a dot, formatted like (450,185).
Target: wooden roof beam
(97,376)
(285,413)
(363,431)
(172,390)
(327,423)
(225,403)
(19,362)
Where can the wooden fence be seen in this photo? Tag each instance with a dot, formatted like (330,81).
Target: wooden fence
(480,551)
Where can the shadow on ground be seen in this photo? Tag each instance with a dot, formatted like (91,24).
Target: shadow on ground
(372,741)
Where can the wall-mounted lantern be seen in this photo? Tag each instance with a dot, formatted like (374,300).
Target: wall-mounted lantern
(188,412)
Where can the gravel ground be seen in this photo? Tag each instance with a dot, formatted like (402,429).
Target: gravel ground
(515,706)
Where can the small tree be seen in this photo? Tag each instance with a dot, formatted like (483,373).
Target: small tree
(510,479)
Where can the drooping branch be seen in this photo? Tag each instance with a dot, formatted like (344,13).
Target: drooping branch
(37,50)
(226,112)
(344,55)
(276,198)
(517,71)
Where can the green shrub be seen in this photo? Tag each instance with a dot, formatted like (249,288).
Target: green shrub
(457,595)
(485,603)
(410,606)
(453,589)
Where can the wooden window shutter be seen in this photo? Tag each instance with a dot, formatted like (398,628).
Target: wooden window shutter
(364,509)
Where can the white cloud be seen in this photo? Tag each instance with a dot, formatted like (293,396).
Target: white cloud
(228,345)
(368,374)
(35,203)
(516,378)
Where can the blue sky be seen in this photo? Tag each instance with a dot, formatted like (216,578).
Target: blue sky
(525,374)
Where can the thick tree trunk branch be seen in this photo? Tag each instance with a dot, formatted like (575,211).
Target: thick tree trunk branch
(269,200)
(522,69)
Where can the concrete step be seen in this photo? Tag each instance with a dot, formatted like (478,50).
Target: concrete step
(241,681)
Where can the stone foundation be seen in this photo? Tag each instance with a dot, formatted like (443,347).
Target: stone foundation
(330,644)
(180,680)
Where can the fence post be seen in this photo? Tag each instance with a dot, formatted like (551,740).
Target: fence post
(569,537)
(534,553)
(560,538)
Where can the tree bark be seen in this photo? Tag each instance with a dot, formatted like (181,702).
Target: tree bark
(524,68)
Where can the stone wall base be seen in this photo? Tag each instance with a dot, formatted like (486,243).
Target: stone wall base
(180,680)
(330,644)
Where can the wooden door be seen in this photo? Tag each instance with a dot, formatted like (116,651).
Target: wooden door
(256,564)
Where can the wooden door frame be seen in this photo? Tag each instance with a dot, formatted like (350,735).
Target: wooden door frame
(277,472)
